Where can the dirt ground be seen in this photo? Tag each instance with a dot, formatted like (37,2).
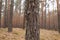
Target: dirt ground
(19,34)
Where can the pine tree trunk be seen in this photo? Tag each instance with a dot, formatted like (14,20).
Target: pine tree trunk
(45,15)
(58,11)
(48,18)
(10,16)
(0,11)
(32,28)
(5,14)
(42,15)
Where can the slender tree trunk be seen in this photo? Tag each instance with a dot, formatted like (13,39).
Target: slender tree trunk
(42,15)
(0,11)
(58,11)
(5,14)
(48,18)
(32,28)
(10,16)
(45,14)
(53,17)
(53,20)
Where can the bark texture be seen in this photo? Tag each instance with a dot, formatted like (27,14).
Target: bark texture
(32,12)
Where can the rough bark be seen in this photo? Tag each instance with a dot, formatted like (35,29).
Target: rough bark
(32,28)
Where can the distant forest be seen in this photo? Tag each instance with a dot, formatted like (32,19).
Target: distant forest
(12,12)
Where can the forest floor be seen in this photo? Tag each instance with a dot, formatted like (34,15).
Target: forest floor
(49,35)
(19,34)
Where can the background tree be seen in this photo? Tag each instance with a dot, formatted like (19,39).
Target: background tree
(10,16)
(44,14)
(58,11)
(0,11)
(5,14)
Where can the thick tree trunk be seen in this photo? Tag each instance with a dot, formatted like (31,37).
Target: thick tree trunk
(10,16)
(0,11)
(32,28)
(58,11)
